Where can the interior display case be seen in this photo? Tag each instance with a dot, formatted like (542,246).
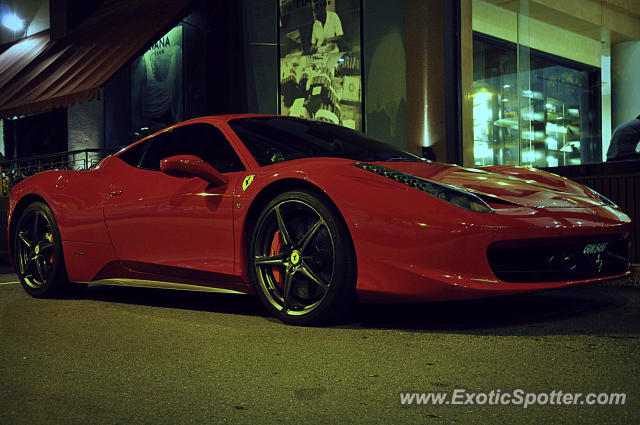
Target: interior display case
(546,117)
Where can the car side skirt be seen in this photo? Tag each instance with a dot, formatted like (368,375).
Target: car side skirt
(140,283)
(128,273)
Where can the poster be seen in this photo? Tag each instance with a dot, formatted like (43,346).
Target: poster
(320,61)
(156,84)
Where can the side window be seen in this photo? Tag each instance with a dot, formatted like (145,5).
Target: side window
(160,147)
(203,140)
(133,155)
(208,142)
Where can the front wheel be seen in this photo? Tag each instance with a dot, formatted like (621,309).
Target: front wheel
(37,249)
(301,259)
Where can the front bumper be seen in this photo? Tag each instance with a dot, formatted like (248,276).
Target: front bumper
(521,250)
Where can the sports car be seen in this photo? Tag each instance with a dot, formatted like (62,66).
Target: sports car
(311,217)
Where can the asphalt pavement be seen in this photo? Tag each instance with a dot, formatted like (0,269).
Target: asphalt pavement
(140,356)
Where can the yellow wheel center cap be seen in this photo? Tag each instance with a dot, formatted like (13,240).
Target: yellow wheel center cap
(295,258)
(37,249)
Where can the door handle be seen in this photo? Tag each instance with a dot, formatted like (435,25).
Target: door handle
(113,191)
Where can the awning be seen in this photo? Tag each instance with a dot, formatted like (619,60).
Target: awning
(39,74)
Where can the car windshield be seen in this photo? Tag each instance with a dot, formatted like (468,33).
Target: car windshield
(276,139)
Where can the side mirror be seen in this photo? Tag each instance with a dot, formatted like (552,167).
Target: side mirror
(191,165)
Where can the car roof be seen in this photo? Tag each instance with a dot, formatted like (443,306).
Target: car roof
(203,119)
(226,117)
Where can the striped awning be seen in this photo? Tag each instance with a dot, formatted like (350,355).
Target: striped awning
(38,74)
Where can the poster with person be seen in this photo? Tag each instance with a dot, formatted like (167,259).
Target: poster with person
(320,61)
(156,84)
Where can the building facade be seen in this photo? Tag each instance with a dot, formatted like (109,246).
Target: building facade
(473,82)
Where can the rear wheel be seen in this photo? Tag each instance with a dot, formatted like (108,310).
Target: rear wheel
(301,260)
(37,252)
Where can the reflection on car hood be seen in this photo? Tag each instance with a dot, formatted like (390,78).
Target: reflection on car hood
(526,193)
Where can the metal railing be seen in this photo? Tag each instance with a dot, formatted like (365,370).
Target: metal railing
(14,170)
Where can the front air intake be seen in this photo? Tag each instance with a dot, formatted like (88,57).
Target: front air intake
(558,260)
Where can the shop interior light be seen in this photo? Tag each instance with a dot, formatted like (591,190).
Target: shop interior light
(551,143)
(482,97)
(13,22)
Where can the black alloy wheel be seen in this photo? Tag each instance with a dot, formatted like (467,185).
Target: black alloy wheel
(301,260)
(37,250)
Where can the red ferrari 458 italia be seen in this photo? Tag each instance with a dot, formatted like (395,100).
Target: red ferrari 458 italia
(311,217)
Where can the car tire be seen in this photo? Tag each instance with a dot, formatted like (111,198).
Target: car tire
(37,251)
(301,259)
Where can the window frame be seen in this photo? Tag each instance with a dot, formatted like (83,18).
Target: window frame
(170,132)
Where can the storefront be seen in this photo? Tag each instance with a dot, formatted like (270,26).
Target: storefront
(479,82)
(533,82)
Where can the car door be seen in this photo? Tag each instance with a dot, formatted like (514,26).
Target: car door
(165,224)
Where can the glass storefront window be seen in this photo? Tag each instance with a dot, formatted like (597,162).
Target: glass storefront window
(549,120)
(157,84)
(320,55)
(548,85)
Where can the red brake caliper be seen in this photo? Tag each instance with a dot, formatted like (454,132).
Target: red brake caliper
(49,238)
(276,248)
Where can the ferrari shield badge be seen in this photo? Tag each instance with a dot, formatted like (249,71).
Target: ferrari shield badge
(247,182)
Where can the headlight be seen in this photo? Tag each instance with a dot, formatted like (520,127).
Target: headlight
(450,194)
(604,199)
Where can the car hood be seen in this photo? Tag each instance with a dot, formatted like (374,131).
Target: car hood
(510,189)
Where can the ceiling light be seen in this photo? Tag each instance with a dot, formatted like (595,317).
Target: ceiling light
(11,21)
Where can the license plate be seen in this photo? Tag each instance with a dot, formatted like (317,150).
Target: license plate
(595,248)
